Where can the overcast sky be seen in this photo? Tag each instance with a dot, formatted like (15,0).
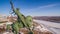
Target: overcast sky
(32,7)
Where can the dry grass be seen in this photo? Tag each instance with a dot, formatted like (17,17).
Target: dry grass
(25,31)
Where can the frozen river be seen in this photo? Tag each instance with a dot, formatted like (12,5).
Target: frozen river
(53,27)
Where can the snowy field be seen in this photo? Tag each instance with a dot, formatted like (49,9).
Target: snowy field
(53,27)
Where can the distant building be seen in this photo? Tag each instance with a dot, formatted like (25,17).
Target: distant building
(3,18)
(11,18)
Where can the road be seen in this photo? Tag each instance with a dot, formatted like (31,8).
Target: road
(53,27)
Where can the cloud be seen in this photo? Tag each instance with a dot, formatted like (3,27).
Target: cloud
(41,7)
(47,6)
(39,10)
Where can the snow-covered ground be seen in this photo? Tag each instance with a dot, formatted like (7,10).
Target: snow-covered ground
(53,27)
(5,23)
